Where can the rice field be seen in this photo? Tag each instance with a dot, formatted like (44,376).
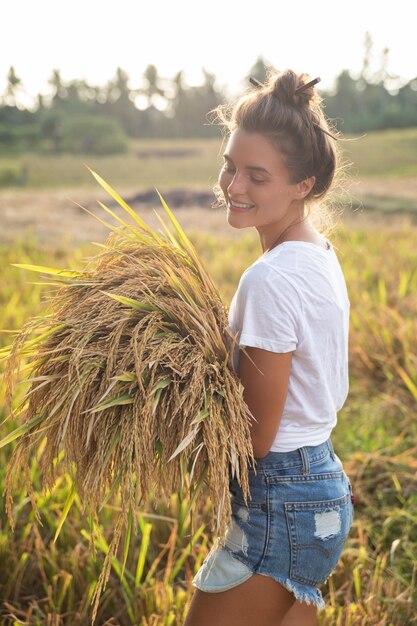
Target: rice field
(43,581)
(48,581)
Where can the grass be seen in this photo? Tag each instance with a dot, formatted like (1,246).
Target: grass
(390,204)
(147,164)
(375,582)
(194,162)
(391,153)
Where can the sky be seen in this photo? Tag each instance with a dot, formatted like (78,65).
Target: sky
(89,39)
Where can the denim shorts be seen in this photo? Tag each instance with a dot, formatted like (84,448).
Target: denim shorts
(293,528)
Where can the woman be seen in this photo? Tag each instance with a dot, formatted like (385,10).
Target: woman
(291,313)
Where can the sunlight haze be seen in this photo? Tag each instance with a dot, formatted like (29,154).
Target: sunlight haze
(89,40)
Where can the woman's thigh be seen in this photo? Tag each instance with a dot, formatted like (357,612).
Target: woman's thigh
(259,601)
(301,614)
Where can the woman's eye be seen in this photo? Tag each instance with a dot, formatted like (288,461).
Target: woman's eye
(258,181)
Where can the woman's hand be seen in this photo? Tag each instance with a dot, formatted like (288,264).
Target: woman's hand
(264,393)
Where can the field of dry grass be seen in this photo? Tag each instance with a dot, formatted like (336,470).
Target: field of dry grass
(53,218)
(375,582)
(380,180)
(42,582)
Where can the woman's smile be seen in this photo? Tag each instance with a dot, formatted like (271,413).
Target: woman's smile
(239,206)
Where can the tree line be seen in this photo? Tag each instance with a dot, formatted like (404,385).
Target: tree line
(78,117)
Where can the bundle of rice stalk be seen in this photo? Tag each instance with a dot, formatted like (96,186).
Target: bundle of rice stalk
(131,386)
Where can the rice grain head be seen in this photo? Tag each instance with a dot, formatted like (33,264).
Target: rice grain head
(132,380)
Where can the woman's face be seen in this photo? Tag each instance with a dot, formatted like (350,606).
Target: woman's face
(256,186)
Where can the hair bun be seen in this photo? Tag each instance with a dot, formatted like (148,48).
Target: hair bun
(296,90)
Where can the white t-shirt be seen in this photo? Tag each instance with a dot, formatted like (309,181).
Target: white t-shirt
(294,299)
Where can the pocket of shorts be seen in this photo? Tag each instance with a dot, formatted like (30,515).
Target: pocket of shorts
(318,532)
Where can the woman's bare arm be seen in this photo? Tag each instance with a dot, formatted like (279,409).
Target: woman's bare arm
(265,393)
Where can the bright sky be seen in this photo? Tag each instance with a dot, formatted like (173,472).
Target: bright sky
(90,38)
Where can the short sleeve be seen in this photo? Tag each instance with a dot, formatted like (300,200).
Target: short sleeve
(267,310)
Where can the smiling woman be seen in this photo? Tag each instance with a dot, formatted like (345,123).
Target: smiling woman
(262,193)
(290,315)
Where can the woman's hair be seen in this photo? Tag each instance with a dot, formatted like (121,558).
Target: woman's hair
(293,121)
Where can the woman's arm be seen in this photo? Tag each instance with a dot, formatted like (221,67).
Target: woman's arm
(265,393)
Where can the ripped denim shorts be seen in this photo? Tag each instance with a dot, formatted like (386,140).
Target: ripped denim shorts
(294,528)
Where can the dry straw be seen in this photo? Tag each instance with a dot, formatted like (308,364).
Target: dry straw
(130,380)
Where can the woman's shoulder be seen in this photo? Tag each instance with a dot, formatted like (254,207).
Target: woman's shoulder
(291,268)
(301,258)
(263,281)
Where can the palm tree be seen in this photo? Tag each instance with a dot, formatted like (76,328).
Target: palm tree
(56,82)
(152,87)
(14,85)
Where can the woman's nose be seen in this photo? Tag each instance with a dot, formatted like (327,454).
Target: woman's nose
(237,185)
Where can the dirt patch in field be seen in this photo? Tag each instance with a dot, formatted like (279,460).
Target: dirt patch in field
(54,219)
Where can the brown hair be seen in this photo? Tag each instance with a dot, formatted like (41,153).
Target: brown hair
(295,124)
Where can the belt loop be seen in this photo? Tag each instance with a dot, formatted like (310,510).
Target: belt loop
(331,449)
(306,461)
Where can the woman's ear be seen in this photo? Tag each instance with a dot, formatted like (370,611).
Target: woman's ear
(304,187)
